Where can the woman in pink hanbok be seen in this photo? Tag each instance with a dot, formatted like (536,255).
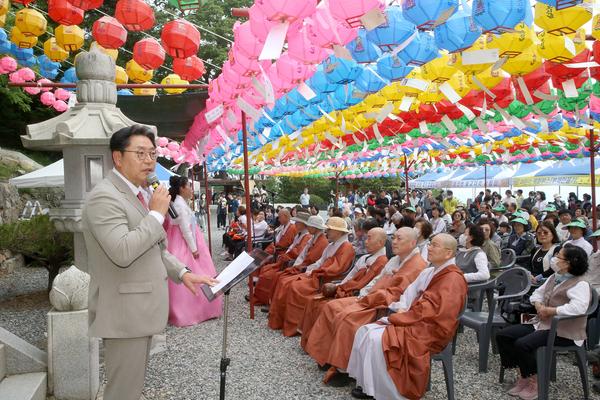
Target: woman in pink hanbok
(186,242)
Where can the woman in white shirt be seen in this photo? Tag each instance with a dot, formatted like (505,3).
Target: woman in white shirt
(472,260)
(260,226)
(186,242)
(437,222)
(564,293)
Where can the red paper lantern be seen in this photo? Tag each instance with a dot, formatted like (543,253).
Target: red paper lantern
(149,53)
(180,38)
(189,69)
(109,32)
(64,13)
(135,15)
(24,2)
(86,4)
(561,73)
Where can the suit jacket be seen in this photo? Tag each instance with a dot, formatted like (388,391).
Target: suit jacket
(128,263)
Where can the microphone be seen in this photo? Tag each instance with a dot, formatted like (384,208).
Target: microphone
(154,183)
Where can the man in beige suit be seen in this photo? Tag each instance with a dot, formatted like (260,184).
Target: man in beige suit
(129,263)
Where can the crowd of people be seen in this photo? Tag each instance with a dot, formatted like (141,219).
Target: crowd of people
(380,285)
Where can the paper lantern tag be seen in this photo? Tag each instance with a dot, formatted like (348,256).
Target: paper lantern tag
(248,109)
(570,45)
(306,91)
(406,103)
(274,41)
(487,56)
(525,90)
(377,133)
(212,115)
(423,127)
(385,111)
(570,89)
(444,16)
(373,18)
(449,124)
(342,52)
(449,92)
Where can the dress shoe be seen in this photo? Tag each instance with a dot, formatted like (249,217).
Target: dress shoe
(247,297)
(264,309)
(357,393)
(324,367)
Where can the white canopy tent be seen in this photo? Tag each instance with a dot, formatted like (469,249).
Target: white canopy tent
(53,175)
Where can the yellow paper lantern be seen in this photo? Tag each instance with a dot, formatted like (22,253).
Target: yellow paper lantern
(30,22)
(438,70)
(596,27)
(144,91)
(488,78)
(565,21)
(526,62)
(121,77)
(554,47)
(512,44)
(460,84)
(431,95)
(4,7)
(136,73)
(69,37)
(2,20)
(54,52)
(392,92)
(470,69)
(174,79)
(113,53)
(22,41)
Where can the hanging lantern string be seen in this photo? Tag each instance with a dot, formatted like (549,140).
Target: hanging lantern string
(150,36)
(200,27)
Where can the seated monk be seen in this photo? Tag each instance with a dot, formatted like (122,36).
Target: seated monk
(329,340)
(365,269)
(311,254)
(390,359)
(262,291)
(284,234)
(288,301)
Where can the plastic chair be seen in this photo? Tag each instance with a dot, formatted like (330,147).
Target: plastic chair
(508,258)
(593,329)
(516,284)
(546,356)
(445,356)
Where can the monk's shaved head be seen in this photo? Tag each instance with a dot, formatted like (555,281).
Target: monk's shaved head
(376,239)
(407,233)
(449,242)
(404,241)
(441,249)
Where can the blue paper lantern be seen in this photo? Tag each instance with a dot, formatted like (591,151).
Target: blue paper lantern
(70,75)
(424,13)
(3,35)
(420,50)
(370,81)
(5,47)
(391,67)
(362,50)
(394,32)
(458,33)
(498,16)
(561,4)
(340,70)
(349,95)
(319,82)
(49,73)
(28,62)
(47,64)
(124,92)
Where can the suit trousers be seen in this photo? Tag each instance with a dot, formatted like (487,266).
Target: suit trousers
(518,344)
(125,361)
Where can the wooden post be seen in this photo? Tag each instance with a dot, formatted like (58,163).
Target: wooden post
(248,211)
(593,183)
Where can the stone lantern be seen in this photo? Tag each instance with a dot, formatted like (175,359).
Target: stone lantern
(82,133)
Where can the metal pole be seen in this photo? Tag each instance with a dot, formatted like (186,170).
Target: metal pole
(208,201)
(484,177)
(248,211)
(224,360)
(593,183)
(406,179)
(119,86)
(337,192)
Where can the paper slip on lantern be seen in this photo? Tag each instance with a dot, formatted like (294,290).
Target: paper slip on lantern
(394,32)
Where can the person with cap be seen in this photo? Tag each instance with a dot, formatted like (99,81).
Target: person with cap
(391,359)
(284,234)
(330,339)
(359,213)
(450,202)
(499,212)
(565,218)
(577,228)
(312,251)
(558,202)
(364,270)
(521,241)
(529,202)
(288,301)
(268,271)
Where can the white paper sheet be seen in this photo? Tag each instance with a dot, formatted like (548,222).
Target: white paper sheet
(214,114)
(233,270)
(274,42)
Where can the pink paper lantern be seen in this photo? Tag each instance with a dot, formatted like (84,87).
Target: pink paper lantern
(302,49)
(60,106)
(246,66)
(286,10)
(327,32)
(245,41)
(8,64)
(44,81)
(62,94)
(260,25)
(15,77)
(351,11)
(173,146)
(290,70)
(234,79)
(162,141)
(32,90)
(47,98)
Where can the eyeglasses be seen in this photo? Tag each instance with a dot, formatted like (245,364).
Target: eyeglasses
(561,258)
(141,155)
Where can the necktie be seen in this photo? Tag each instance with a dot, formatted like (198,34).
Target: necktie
(142,200)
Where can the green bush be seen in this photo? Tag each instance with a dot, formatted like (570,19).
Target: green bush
(38,240)
(316,200)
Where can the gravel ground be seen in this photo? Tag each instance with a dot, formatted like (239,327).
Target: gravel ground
(264,364)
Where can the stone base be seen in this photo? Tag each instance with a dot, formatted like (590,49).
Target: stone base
(73,357)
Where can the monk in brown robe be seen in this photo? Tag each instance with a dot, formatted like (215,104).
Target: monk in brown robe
(330,339)
(365,269)
(284,234)
(311,254)
(391,358)
(262,291)
(288,301)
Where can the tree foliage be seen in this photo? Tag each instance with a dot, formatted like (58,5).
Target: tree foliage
(38,239)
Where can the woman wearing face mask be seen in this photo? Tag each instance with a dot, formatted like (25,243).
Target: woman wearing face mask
(423,229)
(540,201)
(437,223)
(472,259)
(564,293)
(543,255)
